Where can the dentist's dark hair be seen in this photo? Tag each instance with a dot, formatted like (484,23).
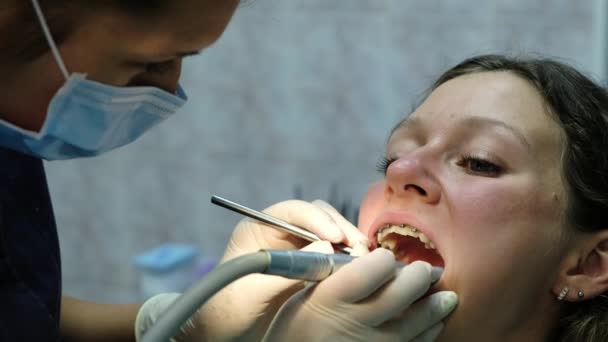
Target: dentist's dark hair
(580,107)
(21,38)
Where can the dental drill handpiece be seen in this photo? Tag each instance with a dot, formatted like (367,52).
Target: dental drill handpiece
(274,222)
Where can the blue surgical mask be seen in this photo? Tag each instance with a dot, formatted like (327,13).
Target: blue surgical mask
(86,118)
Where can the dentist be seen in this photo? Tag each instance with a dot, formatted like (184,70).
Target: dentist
(81,78)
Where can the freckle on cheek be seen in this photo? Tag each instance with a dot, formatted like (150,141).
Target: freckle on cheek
(556,198)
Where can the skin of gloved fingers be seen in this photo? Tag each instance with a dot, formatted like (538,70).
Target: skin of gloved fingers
(430,335)
(295,319)
(377,300)
(358,279)
(243,310)
(151,310)
(310,217)
(298,320)
(432,309)
(423,319)
(388,302)
(353,234)
(250,236)
(191,331)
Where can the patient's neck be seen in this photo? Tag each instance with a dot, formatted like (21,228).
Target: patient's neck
(537,325)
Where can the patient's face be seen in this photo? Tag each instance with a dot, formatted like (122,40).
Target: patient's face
(476,169)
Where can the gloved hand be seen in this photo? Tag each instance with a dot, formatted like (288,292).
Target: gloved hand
(243,310)
(153,309)
(366,300)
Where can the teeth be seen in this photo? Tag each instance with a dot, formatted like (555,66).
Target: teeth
(389,244)
(402,229)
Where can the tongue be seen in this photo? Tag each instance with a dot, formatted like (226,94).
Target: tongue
(410,249)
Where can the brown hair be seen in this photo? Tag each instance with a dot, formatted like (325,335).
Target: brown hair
(580,107)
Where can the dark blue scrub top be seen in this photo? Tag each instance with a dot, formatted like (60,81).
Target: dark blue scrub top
(30,268)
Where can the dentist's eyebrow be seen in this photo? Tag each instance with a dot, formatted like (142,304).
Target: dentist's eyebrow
(188,54)
(184,54)
(162,59)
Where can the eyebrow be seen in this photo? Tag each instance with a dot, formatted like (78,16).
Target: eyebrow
(410,123)
(188,53)
(157,59)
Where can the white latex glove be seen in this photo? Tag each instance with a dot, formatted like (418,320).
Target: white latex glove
(367,300)
(151,310)
(155,307)
(243,310)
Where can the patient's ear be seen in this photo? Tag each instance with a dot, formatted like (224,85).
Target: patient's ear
(585,270)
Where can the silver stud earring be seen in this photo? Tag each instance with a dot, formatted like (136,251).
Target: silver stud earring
(580,294)
(563,293)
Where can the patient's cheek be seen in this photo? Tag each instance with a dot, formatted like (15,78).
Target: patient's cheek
(515,205)
(372,203)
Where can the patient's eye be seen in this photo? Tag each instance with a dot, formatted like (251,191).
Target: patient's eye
(479,166)
(383,164)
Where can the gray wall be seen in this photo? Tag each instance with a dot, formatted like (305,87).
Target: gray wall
(297,92)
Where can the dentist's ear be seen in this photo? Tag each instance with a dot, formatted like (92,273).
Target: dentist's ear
(584,273)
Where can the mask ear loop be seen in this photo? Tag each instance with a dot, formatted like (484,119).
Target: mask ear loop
(49,38)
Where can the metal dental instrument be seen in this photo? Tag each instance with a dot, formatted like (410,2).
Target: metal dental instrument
(274,222)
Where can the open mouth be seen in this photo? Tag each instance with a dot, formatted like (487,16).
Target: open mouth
(408,244)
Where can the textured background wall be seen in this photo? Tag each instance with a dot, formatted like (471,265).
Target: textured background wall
(297,92)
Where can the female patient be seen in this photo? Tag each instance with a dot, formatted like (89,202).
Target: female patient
(501,176)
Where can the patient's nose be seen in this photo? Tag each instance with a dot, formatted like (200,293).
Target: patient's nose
(410,177)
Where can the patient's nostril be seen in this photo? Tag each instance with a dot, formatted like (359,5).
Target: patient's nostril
(415,187)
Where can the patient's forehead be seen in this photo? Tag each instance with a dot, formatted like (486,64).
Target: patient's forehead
(501,96)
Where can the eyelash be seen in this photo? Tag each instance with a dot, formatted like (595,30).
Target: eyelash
(383,164)
(464,161)
(493,171)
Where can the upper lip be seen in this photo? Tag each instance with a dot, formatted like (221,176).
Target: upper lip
(397,217)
